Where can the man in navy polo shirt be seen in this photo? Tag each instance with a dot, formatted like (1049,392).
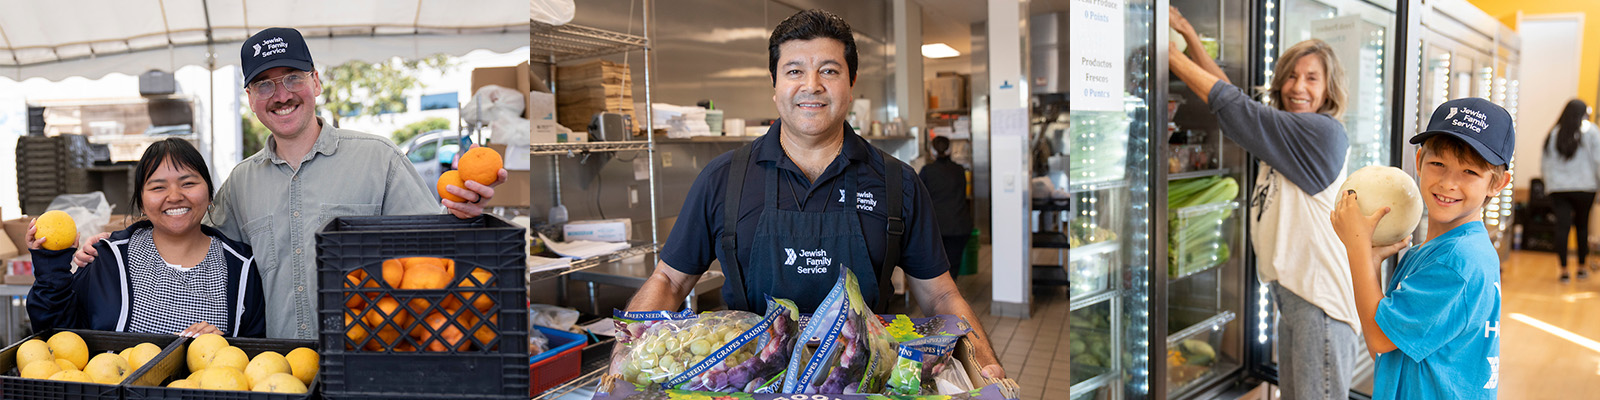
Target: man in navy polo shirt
(787,212)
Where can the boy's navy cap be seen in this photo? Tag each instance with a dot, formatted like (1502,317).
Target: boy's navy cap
(1483,125)
(272,48)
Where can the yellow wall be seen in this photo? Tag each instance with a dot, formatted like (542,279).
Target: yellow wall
(1589,72)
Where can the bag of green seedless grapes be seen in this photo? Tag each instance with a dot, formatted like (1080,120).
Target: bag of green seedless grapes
(732,367)
(918,362)
(671,347)
(632,324)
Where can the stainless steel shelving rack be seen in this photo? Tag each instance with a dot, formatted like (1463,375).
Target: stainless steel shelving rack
(550,45)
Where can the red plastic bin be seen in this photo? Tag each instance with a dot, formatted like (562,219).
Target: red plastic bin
(562,363)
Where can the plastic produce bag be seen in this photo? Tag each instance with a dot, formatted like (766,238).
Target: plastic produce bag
(493,102)
(854,353)
(665,351)
(918,362)
(632,325)
(89,210)
(553,317)
(553,12)
(761,373)
(537,343)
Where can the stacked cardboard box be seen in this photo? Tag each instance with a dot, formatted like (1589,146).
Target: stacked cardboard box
(586,89)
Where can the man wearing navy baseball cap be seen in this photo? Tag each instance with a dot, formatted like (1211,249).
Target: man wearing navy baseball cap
(308,173)
(1436,331)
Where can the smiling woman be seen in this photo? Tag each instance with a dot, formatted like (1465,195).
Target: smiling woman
(169,273)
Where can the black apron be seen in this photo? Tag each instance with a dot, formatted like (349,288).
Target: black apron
(797,255)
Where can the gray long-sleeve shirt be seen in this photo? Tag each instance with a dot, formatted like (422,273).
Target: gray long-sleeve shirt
(278,209)
(1307,148)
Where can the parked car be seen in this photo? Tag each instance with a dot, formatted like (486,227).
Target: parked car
(431,153)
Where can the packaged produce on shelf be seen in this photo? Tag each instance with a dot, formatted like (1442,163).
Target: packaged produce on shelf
(1189,360)
(1196,241)
(715,351)
(918,362)
(1085,231)
(1098,146)
(855,353)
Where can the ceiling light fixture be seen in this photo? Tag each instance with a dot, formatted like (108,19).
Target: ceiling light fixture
(939,50)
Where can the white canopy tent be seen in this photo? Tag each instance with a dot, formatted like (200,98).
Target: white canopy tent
(91,38)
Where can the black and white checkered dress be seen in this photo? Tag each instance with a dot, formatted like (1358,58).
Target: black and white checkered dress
(167,299)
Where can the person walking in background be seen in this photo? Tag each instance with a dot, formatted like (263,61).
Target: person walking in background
(1302,149)
(947,185)
(1569,166)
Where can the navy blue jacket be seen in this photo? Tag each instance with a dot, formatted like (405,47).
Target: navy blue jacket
(97,296)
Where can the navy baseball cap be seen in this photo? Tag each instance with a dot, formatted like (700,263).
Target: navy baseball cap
(1483,125)
(272,48)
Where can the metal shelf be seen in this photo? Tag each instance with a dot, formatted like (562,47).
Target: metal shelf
(1093,249)
(556,44)
(1094,186)
(1197,174)
(572,149)
(1078,302)
(591,262)
(1093,383)
(1215,322)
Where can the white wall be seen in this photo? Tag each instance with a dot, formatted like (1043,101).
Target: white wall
(1551,47)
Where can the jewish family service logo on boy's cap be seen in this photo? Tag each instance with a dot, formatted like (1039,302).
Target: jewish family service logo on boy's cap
(272,48)
(1483,125)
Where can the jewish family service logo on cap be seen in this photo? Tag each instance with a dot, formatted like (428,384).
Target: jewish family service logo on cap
(272,48)
(1483,125)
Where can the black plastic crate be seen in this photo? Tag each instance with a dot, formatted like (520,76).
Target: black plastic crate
(150,382)
(494,369)
(13,386)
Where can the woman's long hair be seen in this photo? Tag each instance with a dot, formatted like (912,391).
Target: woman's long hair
(1566,135)
(1334,101)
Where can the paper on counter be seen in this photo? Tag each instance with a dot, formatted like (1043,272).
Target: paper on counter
(581,249)
(538,264)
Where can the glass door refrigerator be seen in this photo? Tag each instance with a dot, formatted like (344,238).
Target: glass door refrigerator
(1093,136)
(1221,320)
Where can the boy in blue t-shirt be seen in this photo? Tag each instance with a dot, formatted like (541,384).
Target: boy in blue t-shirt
(1442,307)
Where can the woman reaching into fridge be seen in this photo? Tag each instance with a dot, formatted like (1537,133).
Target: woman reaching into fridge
(1302,146)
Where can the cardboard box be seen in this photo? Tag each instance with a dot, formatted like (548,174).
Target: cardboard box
(19,279)
(9,248)
(17,231)
(518,189)
(602,230)
(519,77)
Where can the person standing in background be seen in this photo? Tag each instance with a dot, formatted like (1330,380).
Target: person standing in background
(1571,156)
(947,186)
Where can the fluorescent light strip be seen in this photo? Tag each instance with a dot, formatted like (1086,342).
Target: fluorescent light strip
(939,50)
(1555,330)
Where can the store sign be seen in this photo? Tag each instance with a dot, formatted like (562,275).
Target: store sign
(1095,55)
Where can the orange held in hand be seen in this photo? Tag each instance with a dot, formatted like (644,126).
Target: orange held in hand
(451,178)
(481,165)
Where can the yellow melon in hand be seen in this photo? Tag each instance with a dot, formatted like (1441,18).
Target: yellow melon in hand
(69,346)
(58,229)
(304,362)
(40,369)
(200,351)
(34,350)
(107,368)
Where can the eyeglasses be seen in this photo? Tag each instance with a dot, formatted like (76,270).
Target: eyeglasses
(292,82)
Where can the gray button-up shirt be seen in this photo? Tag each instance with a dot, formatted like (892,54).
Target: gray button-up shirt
(278,211)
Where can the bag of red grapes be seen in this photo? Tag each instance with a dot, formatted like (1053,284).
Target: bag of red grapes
(854,352)
(713,351)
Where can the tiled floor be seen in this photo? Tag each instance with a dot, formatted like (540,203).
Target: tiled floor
(1548,337)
